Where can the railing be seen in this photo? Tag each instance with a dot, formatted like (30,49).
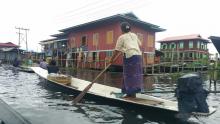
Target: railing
(84,48)
(183,49)
(78,63)
(81,48)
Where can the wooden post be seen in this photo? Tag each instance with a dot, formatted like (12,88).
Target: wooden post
(159,69)
(183,62)
(216,60)
(164,68)
(171,60)
(144,62)
(177,48)
(215,73)
(105,63)
(153,69)
(146,68)
(61,63)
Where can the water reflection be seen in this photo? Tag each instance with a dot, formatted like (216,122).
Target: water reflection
(214,76)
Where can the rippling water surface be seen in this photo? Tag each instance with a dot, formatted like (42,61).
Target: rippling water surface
(24,92)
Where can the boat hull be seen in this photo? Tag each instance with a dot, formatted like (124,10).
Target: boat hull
(148,112)
(10,116)
(25,69)
(216,42)
(146,105)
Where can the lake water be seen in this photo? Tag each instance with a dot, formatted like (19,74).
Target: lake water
(24,92)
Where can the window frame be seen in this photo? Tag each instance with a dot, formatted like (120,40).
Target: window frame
(109,38)
(191,45)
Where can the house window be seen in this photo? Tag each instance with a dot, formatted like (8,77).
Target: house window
(173,46)
(181,45)
(95,56)
(198,44)
(84,41)
(46,46)
(205,46)
(50,46)
(150,58)
(72,42)
(202,46)
(150,41)
(55,45)
(181,55)
(95,39)
(195,55)
(161,46)
(140,37)
(190,55)
(109,37)
(164,46)
(59,44)
(190,44)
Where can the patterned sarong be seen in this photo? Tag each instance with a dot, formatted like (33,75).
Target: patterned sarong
(132,75)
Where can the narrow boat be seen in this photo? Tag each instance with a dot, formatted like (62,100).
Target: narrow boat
(10,116)
(25,69)
(110,95)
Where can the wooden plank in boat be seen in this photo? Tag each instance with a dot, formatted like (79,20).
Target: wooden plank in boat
(138,99)
(144,101)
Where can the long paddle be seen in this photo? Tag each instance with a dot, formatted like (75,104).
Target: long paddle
(80,96)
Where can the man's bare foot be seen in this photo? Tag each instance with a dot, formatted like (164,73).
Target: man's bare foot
(130,96)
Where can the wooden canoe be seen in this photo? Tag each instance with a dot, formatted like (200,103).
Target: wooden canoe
(25,69)
(9,116)
(109,95)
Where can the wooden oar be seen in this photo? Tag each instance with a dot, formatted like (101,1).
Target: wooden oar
(80,96)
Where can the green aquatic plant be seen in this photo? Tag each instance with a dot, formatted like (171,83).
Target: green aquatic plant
(175,76)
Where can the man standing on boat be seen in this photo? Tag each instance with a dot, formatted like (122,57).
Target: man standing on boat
(128,44)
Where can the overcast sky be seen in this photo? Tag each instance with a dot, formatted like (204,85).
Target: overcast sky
(46,17)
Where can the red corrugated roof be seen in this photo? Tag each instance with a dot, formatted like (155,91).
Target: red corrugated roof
(9,44)
(183,38)
(130,17)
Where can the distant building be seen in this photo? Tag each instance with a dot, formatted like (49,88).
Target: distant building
(187,48)
(91,44)
(55,48)
(8,52)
